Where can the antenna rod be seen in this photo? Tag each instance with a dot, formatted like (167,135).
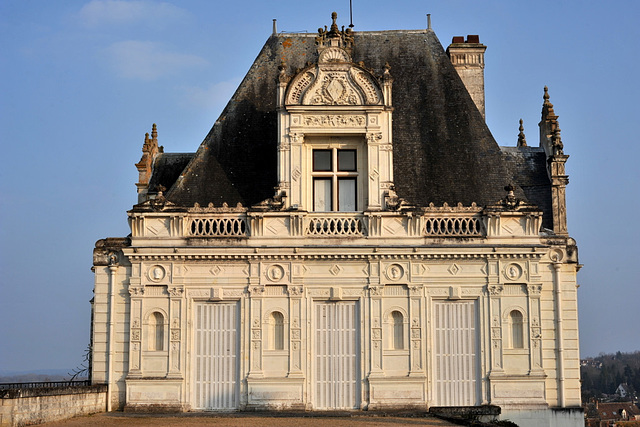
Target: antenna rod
(350,14)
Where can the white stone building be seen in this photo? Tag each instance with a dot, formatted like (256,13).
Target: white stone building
(404,259)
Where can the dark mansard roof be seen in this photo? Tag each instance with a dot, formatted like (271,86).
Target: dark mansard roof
(443,150)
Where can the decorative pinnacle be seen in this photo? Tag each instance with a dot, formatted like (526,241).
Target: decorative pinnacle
(546,97)
(154,132)
(334,31)
(522,141)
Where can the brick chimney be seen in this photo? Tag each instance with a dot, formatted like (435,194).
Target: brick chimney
(467,57)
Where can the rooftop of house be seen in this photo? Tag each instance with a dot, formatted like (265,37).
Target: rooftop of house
(443,149)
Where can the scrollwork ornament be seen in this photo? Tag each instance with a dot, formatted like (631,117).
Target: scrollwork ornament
(495,290)
(176,291)
(534,289)
(376,290)
(295,291)
(136,291)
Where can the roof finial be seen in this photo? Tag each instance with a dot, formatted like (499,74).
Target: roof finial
(558,146)
(334,31)
(546,94)
(154,132)
(522,141)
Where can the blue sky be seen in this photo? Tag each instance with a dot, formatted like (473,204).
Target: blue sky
(82,81)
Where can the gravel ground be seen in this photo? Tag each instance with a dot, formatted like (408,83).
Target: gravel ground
(246,419)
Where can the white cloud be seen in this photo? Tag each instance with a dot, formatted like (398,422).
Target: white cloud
(120,12)
(214,97)
(147,60)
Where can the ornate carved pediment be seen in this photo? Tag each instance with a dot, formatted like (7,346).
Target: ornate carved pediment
(335,79)
(334,83)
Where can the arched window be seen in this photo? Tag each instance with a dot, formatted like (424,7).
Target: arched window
(398,330)
(277,331)
(156,331)
(517,329)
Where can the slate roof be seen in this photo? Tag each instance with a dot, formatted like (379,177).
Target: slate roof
(167,168)
(443,150)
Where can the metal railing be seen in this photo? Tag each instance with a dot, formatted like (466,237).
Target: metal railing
(43,384)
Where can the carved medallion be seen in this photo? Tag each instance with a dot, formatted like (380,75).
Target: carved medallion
(156,273)
(395,272)
(275,273)
(513,271)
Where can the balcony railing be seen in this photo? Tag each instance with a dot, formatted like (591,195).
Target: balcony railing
(453,226)
(446,222)
(336,225)
(219,226)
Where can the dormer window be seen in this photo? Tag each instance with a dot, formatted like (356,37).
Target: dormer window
(335,180)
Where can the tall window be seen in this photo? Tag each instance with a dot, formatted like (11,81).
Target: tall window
(156,331)
(517,329)
(398,330)
(277,330)
(335,176)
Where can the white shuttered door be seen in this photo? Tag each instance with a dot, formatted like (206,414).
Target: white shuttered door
(216,362)
(455,353)
(336,359)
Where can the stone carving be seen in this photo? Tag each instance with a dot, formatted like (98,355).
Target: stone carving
(135,335)
(395,272)
(534,289)
(295,290)
(513,271)
(135,291)
(371,93)
(333,120)
(376,290)
(275,273)
(495,289)
(334,89)
(176,291)
(334,55)
(335,270)
(175,335)
(156,273)
(454,269)
(298,86)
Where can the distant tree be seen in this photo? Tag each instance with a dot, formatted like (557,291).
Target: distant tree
(84,369)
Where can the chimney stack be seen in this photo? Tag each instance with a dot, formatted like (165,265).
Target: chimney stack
(467,57)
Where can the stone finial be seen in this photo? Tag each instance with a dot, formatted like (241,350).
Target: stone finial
(334,36)
(510,201)
(522,140)
(547,106)
(558,146)
(282,75)
(149,151)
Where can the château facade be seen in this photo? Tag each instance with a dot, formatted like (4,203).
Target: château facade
(349,236)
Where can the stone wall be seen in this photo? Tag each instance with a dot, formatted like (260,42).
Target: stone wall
(21,407)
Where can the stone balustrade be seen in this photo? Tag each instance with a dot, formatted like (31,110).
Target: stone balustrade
(442,222)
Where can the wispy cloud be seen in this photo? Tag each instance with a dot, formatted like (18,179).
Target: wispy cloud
(99,13)
(215,96)
(145,60)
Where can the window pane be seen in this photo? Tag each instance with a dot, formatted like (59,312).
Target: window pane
(517,332)
(347,194)
(321,160)
(398,330)
(346,160)
(277,331)
(321,195)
